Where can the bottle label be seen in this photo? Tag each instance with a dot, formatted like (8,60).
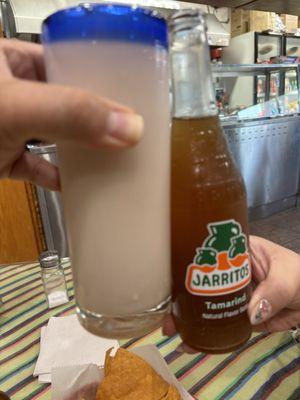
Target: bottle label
(221,265)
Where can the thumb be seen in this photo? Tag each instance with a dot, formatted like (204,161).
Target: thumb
(278,290)
(54,113)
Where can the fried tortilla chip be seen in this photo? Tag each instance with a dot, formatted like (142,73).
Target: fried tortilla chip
(129,377)
(172,394)
(107,363)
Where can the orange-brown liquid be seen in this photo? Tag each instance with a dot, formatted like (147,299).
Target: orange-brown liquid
(206,189)
(4,396)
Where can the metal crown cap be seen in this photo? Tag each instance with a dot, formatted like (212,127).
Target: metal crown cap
(188,19)
(49,259)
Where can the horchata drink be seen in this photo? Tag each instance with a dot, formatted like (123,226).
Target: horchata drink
(210,260)
(117,202)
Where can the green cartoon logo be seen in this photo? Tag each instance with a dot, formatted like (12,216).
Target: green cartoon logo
(221,264)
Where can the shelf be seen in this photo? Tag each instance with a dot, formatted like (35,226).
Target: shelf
(290,75)
(277,6)
(236,70)
(292,93)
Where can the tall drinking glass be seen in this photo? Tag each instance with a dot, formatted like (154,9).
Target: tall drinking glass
(116,202)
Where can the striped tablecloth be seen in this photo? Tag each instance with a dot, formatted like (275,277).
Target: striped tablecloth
(267,367)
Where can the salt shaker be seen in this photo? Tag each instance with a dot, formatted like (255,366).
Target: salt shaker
(53,279)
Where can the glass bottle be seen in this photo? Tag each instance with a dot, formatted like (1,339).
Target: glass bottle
(3,396)
(210,262)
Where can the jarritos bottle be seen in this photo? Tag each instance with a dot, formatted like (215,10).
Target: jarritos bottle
(210,259)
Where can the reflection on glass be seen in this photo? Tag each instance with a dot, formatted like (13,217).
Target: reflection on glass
(267,47)
(260,96)
(280,106)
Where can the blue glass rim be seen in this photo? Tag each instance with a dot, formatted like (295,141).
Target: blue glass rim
(114,22)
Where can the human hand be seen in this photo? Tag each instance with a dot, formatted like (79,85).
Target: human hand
(30,108)
(275,302)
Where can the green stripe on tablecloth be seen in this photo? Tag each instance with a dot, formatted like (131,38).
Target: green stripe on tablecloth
(34,391)
(20,280)
(296,394)
(19,347)
(254,368)
(266,364)
(6,269)
(14,274)
(270,386)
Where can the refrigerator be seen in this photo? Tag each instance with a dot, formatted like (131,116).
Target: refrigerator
(251,48)
(291,84)
(267,46)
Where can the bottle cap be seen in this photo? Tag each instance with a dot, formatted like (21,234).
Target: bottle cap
(49,259)
(188,19)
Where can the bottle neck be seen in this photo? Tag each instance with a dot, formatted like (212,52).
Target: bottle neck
(193,90)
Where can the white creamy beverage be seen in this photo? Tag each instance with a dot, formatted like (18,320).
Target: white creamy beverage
(117,201)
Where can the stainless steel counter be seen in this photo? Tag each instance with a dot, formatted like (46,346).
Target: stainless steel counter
(268,154)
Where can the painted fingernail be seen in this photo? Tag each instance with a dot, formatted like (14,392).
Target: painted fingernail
(261,313)
(125,127)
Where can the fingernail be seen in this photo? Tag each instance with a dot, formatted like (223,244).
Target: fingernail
(125,127)
(261,313)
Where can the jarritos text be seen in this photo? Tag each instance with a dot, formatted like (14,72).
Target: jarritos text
(221,266)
